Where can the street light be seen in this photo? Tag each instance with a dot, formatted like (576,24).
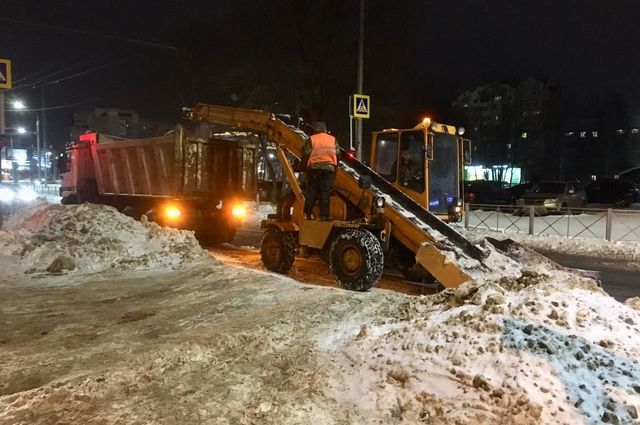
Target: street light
(18,104)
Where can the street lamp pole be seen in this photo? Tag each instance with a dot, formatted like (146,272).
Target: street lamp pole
(38,146)
(2,112)
(360,80)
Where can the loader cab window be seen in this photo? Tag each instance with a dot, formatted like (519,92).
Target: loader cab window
(410,170)
(386,155)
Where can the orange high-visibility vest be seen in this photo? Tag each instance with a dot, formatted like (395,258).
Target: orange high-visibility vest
(323,150)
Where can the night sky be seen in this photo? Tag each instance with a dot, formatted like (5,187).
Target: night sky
(156,56)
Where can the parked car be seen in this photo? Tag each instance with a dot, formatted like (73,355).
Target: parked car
(553,196)
(516,192)
(618,193)
(485,192)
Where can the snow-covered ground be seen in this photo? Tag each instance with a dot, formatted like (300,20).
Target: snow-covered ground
(148,328)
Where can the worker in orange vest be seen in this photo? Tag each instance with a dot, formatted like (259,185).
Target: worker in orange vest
(320,156)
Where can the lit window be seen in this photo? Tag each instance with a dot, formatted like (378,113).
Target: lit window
(497,118)
(583,134)
(466,105)
(634,131)
(620,131)
(524,135)
(497,98)
(569,133)
(594,133)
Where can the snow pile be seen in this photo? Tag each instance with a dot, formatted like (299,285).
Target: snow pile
(92,238)
(594,248)
(539,348)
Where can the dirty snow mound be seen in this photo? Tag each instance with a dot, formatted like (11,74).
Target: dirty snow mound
(32,209)
(549,348)
(91,238)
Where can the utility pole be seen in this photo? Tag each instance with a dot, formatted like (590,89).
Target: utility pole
(360,80)
(1,111)
(38,146)
(44,135)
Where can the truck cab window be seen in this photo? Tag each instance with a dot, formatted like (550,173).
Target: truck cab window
(386,155)
(411,164)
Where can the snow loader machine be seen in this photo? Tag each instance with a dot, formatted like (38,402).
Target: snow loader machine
(374,220)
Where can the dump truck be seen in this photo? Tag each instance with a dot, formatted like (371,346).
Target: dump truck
(372,221)
(190,178)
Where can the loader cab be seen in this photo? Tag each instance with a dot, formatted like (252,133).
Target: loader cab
(425,163)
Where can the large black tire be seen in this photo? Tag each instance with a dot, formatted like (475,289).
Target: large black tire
(69,200)
(356,259)
(215,234)
(278,250)
(130,211)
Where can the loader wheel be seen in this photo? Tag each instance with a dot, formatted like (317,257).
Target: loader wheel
(278,250)
(356,259)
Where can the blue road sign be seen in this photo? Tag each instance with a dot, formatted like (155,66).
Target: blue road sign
(361,106)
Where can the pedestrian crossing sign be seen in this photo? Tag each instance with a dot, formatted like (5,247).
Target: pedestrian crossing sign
(5,74)
(361,106)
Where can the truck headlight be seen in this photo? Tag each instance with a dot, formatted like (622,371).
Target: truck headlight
(239,211)
(172,212)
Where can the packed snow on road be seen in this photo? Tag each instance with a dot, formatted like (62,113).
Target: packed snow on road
(104,319)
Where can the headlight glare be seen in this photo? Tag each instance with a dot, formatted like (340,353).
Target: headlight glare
(27,194)
(6,194)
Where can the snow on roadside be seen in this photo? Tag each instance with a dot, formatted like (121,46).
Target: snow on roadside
(93,238)
(540,348)
(593,248)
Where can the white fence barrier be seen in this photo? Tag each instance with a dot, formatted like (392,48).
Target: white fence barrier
(608,224)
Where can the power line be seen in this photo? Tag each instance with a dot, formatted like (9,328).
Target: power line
(68,77)
(51,107)
(40,73)
(94,34)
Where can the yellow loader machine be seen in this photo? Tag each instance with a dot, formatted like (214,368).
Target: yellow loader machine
(426,163)
(373,219)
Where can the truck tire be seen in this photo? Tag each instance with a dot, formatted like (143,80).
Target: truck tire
(69,200)
(278,250)
(130,211)
(356,259)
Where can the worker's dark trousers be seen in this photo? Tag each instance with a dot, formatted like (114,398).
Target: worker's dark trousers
(318,188)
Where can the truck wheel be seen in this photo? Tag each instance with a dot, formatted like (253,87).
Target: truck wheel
(69,200)
(356,259)
(130,211)
(278,250)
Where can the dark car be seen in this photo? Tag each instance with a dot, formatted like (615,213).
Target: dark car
(516,192)
(619,193)
(554,196)
(485,192)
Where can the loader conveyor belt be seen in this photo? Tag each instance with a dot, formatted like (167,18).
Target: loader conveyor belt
(408,204)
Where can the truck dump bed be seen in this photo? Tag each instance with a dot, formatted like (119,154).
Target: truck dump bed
(175,165)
